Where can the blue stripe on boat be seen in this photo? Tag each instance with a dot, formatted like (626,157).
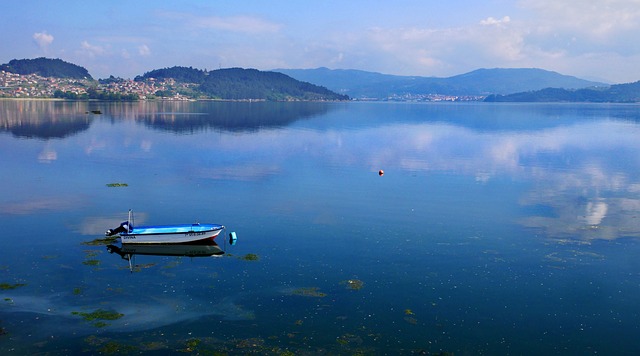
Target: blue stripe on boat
(174,229)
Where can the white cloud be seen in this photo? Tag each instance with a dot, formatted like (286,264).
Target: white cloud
(490,21)
(43,40)
(596,18)
(144,50)
(237,24)
(449,51)
(92,50)
(241,24)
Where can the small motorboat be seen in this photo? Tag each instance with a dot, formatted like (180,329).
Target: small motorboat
(164,234)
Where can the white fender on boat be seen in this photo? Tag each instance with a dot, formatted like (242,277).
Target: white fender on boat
(233,238)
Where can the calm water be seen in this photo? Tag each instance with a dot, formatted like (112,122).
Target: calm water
(495,229)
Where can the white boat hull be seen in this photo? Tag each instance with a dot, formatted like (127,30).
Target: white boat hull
(169,238)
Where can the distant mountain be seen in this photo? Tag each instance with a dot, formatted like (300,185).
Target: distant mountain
(240,84)
(46,67)
(619,93)
(362,84)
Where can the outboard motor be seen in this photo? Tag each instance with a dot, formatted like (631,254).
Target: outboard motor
(124,227)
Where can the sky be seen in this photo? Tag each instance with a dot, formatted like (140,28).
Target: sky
(589,39)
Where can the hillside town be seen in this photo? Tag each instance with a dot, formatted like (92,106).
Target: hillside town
(34,86)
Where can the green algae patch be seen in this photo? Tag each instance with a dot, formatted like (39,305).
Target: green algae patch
(250,257)
(98,316)
(103,241)
(113,347)
(90,258)
(349,340)
(191,345)
(411,320)
(7,286)
(117,185)
(109,347)
(309,292)
(353,284)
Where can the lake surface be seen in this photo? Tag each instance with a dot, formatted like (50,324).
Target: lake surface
(495,229)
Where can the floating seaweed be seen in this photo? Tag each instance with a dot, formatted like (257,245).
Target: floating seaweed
(117,185)
(411,320)
(250,343)
(192,345)
(102,241)
(113,347)
(107,346)
(91,259)
(99,315)
(91,262)
(353,284)
(309,292)
(7,286)
(250,257)
(349,339)
(153,346)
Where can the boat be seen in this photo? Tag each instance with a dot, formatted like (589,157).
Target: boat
(164,234)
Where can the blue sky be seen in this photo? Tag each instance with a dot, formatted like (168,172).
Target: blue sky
(585,38)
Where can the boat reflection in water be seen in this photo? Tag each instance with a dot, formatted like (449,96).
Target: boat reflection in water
(128,251)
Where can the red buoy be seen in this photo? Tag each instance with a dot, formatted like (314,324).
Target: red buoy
(381,172)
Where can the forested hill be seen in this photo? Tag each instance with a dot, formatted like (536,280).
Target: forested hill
(619,93)
(240,84)
(46,67)
(179,74)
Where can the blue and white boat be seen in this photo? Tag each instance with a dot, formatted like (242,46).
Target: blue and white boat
(164,234)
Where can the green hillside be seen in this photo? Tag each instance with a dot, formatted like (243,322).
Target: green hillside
(619,93)
(46,67)
(180,74)
(241,84)
(238,83)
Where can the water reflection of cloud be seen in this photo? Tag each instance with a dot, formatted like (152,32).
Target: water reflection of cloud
(594,213)
(239,172)
(38,205)
(578,171)
(47,156)
(93,226)
(586,173)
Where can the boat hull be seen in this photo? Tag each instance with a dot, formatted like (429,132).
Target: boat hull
(171,234)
